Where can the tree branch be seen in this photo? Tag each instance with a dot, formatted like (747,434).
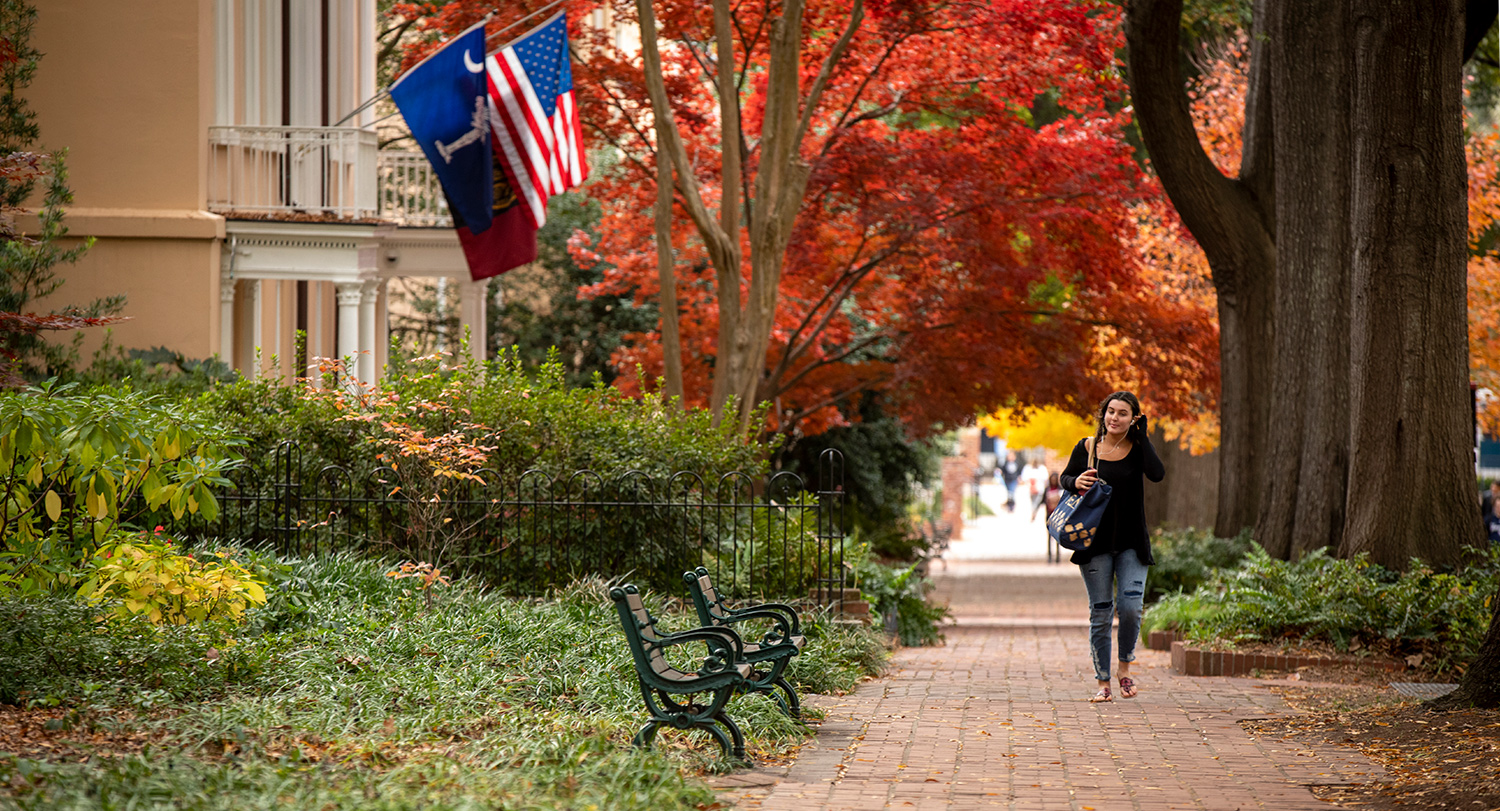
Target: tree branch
(815,95)
(670,139)
(1222,214)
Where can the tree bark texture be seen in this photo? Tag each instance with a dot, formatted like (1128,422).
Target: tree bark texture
(1307,471)
(1411,477)
(1480,685)
(671,336)
(1233,221)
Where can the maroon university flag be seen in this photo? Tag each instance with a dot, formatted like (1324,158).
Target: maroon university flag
(508,243)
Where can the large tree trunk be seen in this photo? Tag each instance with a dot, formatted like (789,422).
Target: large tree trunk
(1480,685)
(671,336)
(1307,472)
(1411,478)
(1233,220)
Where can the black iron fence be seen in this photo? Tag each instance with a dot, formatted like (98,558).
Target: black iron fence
(777,537)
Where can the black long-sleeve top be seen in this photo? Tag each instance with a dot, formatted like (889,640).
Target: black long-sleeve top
(1124,523)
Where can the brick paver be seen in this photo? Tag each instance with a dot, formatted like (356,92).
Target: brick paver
(999,718)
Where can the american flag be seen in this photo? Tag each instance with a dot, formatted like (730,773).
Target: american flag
(533,118)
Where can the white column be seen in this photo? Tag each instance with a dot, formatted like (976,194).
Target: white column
(224,48)
(472,312)
(349,295)
(256,288)
(226,319)
(369,291)
(366,60)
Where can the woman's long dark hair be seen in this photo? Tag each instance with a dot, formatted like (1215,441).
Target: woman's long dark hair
(1124,396)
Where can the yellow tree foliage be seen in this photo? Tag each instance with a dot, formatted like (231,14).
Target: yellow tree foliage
(1037,428)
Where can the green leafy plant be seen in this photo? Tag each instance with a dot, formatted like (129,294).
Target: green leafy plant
(76,467)
(145,576)
(901,593)
(1353,604)
(774,549)
(1185,558)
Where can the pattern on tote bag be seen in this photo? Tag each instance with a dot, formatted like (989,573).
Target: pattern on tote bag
(1072,533)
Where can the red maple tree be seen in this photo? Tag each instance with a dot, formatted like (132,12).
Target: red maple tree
(968,233)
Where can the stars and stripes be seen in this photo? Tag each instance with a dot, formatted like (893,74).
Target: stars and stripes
(533,119)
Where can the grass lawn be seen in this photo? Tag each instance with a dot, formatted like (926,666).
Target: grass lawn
(347,691)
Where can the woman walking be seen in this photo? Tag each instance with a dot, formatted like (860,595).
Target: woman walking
(1114,565)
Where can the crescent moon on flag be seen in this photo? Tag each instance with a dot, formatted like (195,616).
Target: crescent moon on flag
(471,64)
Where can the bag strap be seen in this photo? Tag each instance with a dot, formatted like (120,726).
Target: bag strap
(1092,443)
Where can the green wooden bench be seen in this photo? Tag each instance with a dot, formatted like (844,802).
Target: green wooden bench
(722,672)
(771,654)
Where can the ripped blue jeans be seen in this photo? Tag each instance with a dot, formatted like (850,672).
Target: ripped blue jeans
(1101,574)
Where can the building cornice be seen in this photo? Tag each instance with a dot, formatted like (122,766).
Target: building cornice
(132,223)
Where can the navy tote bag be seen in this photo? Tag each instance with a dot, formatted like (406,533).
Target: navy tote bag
(1076,520)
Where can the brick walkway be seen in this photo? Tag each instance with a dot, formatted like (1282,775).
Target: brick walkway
(999,718)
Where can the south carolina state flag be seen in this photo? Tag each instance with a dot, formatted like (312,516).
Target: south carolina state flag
(446,105)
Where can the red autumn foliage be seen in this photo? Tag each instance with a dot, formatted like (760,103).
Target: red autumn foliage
(969,233)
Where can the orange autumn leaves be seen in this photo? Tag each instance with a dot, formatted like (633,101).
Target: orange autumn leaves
(1483,150)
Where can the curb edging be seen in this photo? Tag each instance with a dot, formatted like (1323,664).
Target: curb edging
(1199,662)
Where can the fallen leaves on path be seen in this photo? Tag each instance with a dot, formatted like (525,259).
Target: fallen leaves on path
(1433,760)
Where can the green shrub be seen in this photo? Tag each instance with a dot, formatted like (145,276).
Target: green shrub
(75,468)
(145,576)
(770,551)
(882,466)
(900,592)
(1185,558)
(1443,616)
(538,422)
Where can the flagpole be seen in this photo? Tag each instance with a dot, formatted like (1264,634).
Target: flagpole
(553,4)
(385,91)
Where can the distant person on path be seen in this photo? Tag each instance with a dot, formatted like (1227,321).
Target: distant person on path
(1052,498)
(1035,478)
(1488,498)
(1010,472)
(1114,565)
(1054,494)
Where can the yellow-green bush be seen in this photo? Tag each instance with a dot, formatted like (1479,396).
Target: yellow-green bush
(145,576)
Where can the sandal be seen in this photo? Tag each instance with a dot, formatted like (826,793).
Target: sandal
(1127,687)
(1102,696)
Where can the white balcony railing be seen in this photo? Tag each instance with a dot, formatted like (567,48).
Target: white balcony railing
(323,172)
(409,191)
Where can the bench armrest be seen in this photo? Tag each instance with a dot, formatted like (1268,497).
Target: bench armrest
(711,634)
(782,611)
(783,631)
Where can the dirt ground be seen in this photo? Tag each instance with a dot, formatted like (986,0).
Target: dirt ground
(1433,760)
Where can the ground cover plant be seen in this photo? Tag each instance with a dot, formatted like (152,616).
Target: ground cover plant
(1434,618)
(351,688)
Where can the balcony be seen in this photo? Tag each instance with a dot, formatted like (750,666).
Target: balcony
(317,174)
(409,191)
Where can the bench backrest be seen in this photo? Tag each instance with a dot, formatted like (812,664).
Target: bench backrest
(640,629)
(706,599)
